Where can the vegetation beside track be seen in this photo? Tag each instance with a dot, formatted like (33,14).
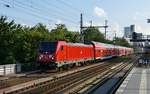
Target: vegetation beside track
(19,44)
(18,80)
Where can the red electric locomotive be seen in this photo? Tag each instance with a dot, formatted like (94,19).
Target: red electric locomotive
(61,53)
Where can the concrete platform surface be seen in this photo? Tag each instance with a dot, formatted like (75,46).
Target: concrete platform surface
(137,82)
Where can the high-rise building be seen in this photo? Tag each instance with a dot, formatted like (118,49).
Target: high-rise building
(128,31)
(132,28)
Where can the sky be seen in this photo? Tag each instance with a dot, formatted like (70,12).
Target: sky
(119,13)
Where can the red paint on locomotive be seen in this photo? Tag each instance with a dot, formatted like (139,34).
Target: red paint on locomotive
(61,53)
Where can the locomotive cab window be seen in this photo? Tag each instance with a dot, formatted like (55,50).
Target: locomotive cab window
(48,47)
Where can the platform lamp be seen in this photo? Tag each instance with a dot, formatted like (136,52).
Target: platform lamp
(114,39)
(148,21)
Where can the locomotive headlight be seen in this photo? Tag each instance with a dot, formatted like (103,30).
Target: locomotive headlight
(40,57)
(50,56)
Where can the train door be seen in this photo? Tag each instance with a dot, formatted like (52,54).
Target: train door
(63,51)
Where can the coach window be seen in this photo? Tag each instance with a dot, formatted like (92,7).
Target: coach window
(62,48)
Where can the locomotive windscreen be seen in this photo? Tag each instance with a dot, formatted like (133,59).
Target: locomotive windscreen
(48,47)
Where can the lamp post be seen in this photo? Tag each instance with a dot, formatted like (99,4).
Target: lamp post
(114,39)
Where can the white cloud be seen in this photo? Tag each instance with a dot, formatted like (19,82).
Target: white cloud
(99,12)
(58,21)
(138,28)
(87,23)
(74,28)
(113,29)
(28,25)
(142,29)
(146,30)
(137,16)
(139,19)
(116,28)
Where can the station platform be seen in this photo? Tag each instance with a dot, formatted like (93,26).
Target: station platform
(137,82)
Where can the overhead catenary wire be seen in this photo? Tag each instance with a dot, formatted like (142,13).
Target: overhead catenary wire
(72,7)
(28,12)
(75,9)
(17,18)
(47,12)
(59,10)
(35,12)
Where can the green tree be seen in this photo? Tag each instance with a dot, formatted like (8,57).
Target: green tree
(93,34)
(59,32)
(7,30)
(62,33)
(34,36)
(122,42)
(20,43)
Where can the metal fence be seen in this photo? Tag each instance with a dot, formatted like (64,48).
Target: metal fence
(9,69)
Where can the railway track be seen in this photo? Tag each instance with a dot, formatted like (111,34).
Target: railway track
(59,82)
(6,82)
(75,79)
(66,82)
(89,86)
(12,80)
(22,86)
(70,82)
(20,78)
(103,73)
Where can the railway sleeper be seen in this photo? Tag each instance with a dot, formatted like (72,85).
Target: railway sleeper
(52,82)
